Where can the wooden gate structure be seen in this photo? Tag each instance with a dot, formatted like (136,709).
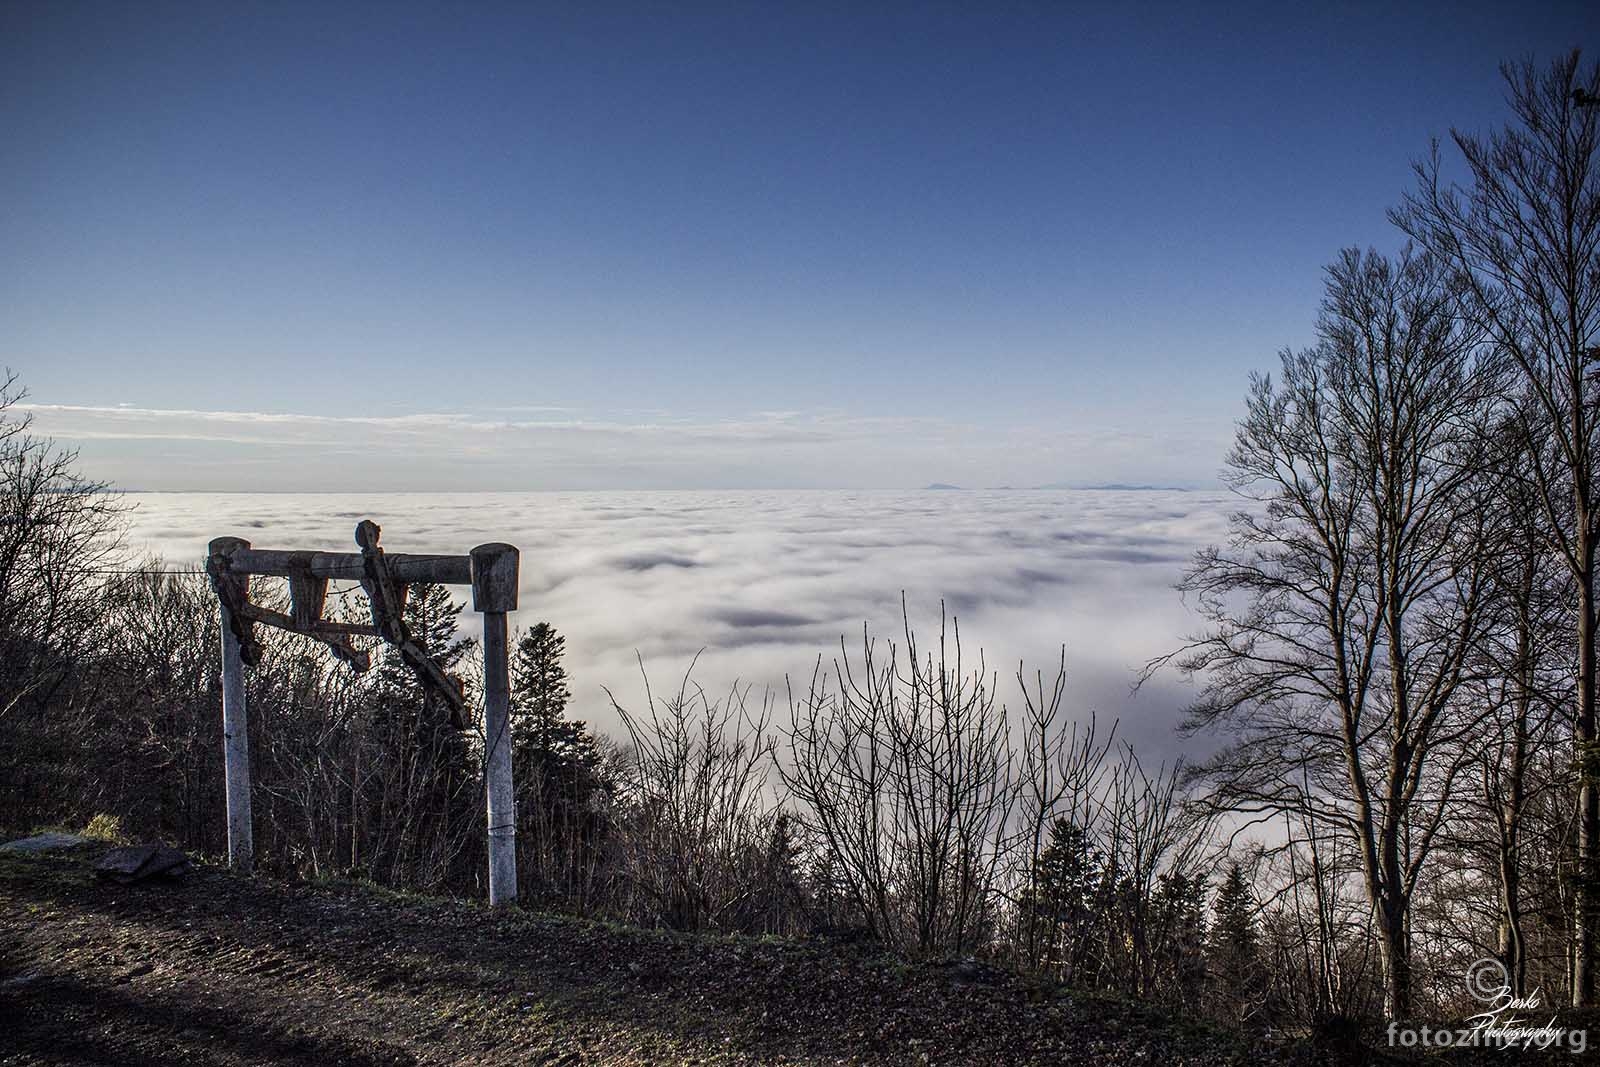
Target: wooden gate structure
(490,569)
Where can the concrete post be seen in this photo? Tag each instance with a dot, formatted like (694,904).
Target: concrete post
(494,592)
(235,727)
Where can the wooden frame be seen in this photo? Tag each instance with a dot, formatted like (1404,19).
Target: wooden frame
(490,569)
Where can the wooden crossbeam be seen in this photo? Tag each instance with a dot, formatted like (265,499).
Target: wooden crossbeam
(351,566)
(308,594)
(385,578)
(320,628)
(336,635)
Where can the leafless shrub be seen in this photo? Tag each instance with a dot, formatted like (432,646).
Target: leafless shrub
(905,771)
(699,821)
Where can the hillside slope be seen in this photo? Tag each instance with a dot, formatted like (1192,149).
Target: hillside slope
(217,969)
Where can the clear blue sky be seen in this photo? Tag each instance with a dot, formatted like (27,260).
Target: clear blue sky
(289,246)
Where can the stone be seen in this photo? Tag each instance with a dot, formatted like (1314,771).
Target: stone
(48,842)
(139,862)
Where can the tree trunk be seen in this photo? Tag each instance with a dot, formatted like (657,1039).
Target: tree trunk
(1512,952)
(1396,958)
(1513,791)
(1586,906)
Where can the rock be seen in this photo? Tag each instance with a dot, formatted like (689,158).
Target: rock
(140,862)
(44,843)
(971,972)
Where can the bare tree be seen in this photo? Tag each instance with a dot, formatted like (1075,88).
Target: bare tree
(59,533)
(1523,240)
(1348,600)
(1153,846)
(1062,776)
(1525,680)
(949,829)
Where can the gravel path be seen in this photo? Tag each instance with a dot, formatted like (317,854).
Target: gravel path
(215,969)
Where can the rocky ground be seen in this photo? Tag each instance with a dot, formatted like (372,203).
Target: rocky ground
(217,969)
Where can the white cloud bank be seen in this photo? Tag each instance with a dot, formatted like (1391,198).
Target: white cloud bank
(763,582)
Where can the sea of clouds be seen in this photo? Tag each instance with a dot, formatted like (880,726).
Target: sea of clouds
(759,584)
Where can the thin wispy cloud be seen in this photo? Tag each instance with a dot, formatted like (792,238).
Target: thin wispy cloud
(554,448)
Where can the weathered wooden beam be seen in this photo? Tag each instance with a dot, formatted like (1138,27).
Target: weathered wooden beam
(232,591)
(336,635)
(494,592)
(387,602)
(494,577)
(320,628)
(348,566)
(502,798)
(308,594)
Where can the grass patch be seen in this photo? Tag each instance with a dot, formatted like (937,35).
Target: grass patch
(107,828)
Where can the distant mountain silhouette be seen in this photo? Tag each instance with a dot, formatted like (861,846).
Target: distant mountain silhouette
(942,485)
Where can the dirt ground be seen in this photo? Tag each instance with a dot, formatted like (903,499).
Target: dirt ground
(218,969)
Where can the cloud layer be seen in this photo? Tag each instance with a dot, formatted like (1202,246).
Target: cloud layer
(759,584)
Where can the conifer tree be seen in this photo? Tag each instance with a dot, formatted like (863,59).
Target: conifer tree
(1177,938)
(1233,948)
(539,696)
(560,789)
(1064,902)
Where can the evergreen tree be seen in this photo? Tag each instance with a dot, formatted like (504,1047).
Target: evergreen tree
(433,618)
(539,694)
(1178,937)
(1064,903)
(1233,934)
(779,900)
(560,790)
(1234,948)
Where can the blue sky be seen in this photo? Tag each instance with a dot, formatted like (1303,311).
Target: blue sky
(602,246)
